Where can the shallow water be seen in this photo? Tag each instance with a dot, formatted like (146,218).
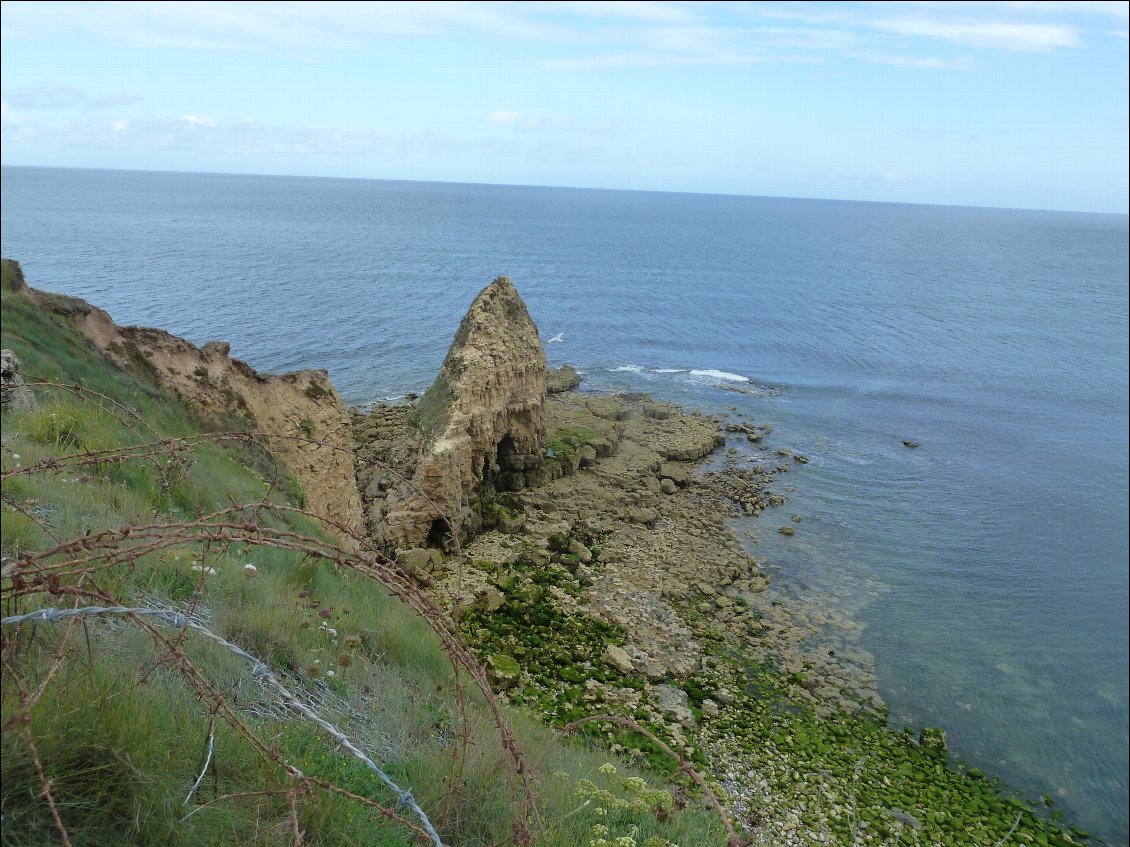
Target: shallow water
(985,569)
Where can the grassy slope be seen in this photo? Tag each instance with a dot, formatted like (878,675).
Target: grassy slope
(121,735)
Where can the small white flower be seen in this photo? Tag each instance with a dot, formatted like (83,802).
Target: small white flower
(330,673)
(207,571)
(250,571)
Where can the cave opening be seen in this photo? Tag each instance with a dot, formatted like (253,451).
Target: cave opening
(437,535)
(506,449)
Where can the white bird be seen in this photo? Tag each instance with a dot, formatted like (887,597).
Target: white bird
(557,337)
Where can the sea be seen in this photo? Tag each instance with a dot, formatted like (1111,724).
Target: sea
(984,571)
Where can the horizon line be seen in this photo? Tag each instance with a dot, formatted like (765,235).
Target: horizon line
(565,188)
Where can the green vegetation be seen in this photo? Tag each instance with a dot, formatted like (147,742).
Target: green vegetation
(845,777)
(433,410)
(121,732)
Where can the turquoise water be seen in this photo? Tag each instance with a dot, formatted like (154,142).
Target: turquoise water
(986,570)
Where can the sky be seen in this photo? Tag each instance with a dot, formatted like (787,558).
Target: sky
(1012,104)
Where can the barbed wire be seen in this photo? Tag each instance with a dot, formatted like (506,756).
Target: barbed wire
(178,620)
(68,567)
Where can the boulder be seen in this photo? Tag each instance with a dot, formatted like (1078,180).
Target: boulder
(673,702)
(504,670)
(562,379)
(580,551)
(490,600)
(678,474)
(933,739)
(14,394)
(617,659)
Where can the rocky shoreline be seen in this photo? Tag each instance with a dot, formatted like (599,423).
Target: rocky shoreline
(657,612)
(583,543)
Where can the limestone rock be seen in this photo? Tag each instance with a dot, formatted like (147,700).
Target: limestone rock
(580,551)
(482,421)
(490,600)
(504,670)
(587,455)
(934,739)
(673,701)
(678,474)
(421,564)
(617,659)
(14,394)
(562,379)
(645,664)
(307,423)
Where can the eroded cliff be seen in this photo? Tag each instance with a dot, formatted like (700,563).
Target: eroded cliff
(302,414)
(480,428)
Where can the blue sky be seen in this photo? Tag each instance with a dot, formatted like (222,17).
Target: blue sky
(1016,104)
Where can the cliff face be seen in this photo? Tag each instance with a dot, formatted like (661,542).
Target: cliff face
(481,423)
(296,410)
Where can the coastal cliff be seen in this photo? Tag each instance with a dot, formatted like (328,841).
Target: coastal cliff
(301,412)
(480,428)
(600,584)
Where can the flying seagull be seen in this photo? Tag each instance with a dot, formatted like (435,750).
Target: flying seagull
(557,337)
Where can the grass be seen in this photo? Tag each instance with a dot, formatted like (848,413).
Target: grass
(120,733)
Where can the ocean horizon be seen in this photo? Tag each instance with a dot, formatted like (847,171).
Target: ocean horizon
(982,572)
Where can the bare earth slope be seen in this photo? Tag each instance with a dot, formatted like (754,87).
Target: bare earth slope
(301,412)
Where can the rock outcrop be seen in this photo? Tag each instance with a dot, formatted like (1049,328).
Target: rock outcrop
(302,414)
(14,394)
(481,426)
(565,378)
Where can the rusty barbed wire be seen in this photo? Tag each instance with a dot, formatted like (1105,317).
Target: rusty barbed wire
(179,620)
(61,569)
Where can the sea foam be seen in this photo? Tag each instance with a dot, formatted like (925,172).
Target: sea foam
(722,375)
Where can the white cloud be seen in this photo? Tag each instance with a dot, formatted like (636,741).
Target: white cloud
(637,10)
(120,125)
(963,63)
(501,117)
(196,120)
(616,34)
(64,97)
(1024,37)
(807,38)
(522,120)
(1101,8)
(656,59)
(7,116)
